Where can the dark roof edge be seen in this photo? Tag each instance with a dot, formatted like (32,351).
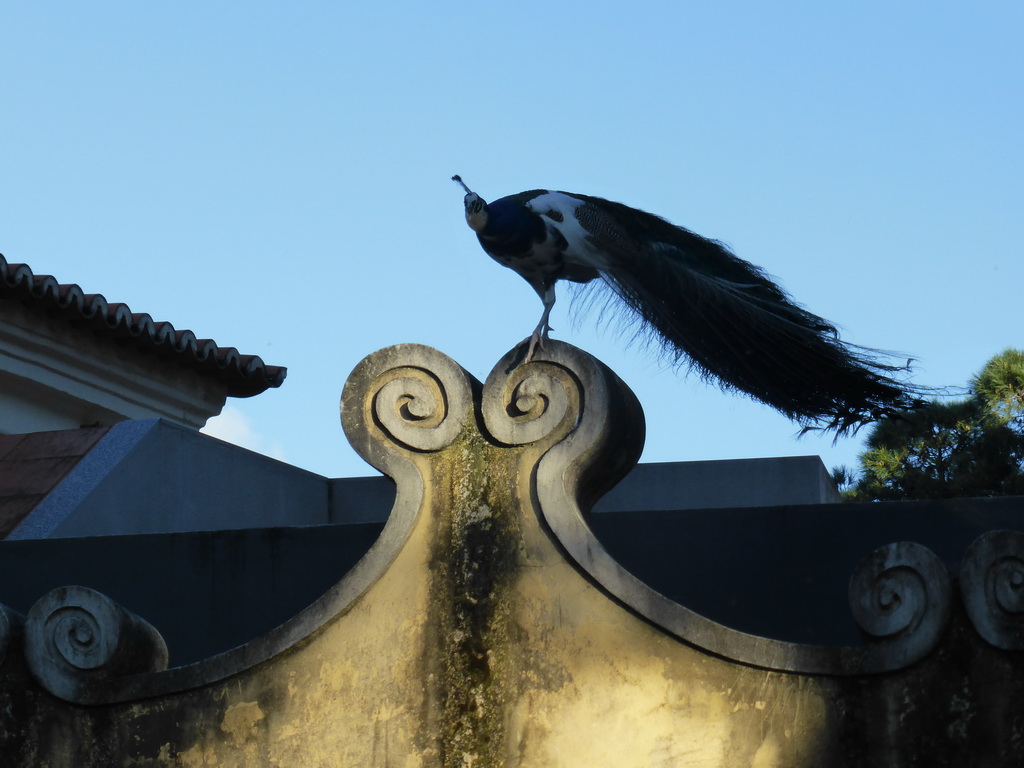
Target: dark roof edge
(244,375)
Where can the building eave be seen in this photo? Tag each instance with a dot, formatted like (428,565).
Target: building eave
(90,313)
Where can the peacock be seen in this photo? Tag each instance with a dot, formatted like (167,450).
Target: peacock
(708,308)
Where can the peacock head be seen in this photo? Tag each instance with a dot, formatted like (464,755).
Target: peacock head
(476,207)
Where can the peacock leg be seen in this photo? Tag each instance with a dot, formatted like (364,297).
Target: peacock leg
(540,333)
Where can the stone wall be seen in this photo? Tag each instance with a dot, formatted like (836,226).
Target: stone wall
(489,626)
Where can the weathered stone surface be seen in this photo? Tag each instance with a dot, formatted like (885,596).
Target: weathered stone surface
(992,584)
(487,626)
(75,636)
(11,624)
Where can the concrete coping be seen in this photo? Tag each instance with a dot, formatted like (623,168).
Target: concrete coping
(548,437)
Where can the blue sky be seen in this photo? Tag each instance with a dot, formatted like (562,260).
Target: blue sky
(276,177)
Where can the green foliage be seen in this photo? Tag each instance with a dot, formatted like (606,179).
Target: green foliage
(968,447)
(1000,384)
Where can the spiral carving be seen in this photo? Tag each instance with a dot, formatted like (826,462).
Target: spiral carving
(411,406)
(890,602)
(1008,580)
(992,586)
(409,396)
(900,594)
(75,636)
(531,402)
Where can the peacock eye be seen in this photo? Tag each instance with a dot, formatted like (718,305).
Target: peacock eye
(476,206)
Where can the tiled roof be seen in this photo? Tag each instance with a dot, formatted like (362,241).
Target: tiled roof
(244,375)
(32,465)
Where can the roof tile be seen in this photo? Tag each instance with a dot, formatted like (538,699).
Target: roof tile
(32,465)
(53,445)
(244,375)
(13,510)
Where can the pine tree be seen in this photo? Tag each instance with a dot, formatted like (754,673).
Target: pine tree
(968,447)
